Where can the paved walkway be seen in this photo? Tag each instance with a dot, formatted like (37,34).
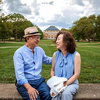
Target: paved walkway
(86,92)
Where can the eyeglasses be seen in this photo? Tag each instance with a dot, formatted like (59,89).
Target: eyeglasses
(36,37)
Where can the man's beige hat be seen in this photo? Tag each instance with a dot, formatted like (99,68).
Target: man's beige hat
(30,31)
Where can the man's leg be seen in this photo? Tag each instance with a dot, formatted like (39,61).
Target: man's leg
(44,90)
(23,92)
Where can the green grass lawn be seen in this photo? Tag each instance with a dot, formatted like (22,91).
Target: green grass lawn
(90,56)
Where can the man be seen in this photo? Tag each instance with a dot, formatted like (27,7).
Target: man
(28,61)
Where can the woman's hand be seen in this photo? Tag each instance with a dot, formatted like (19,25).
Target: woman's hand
(65,83)
(52,73)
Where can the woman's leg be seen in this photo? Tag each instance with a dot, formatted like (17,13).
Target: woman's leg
(68,93)
(58,97)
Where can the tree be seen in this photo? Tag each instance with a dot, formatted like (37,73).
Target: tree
(3,31)
(3,28)
(89,31)
(85,28)
(19,23)
(92,25)
(78,28)
(40,31)
(13,25)
(98,27)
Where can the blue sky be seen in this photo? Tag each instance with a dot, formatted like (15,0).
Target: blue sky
(60,13)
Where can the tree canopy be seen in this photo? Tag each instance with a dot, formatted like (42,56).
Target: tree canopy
(87,28)
(13,25)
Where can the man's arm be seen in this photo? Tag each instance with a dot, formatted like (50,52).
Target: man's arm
(46,59)
(19,68)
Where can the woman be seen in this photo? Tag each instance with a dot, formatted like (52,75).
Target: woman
(66,63)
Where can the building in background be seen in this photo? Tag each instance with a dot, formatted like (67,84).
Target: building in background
(50,32)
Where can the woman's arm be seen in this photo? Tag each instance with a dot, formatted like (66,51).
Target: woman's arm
(77,67)
(53,65)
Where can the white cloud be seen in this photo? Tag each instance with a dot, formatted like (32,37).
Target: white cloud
(15,6)
(61,13)
(77,2)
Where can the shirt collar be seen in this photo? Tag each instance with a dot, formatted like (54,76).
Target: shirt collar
(29,48)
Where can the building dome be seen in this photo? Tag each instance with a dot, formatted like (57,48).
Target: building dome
(52,28)
(50,32)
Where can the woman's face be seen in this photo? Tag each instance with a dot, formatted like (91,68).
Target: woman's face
(59,42)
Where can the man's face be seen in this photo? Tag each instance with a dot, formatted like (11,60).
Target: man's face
(34,40)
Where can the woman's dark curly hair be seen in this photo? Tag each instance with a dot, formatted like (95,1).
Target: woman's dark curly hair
(68,40)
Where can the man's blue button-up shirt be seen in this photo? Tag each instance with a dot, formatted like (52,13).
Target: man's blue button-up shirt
(28,65)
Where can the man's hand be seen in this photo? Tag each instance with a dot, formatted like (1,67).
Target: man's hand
(32,92)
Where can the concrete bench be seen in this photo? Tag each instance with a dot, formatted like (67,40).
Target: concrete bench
(86,92)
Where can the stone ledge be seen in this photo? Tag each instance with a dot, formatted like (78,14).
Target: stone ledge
(86,92)
(9,92)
